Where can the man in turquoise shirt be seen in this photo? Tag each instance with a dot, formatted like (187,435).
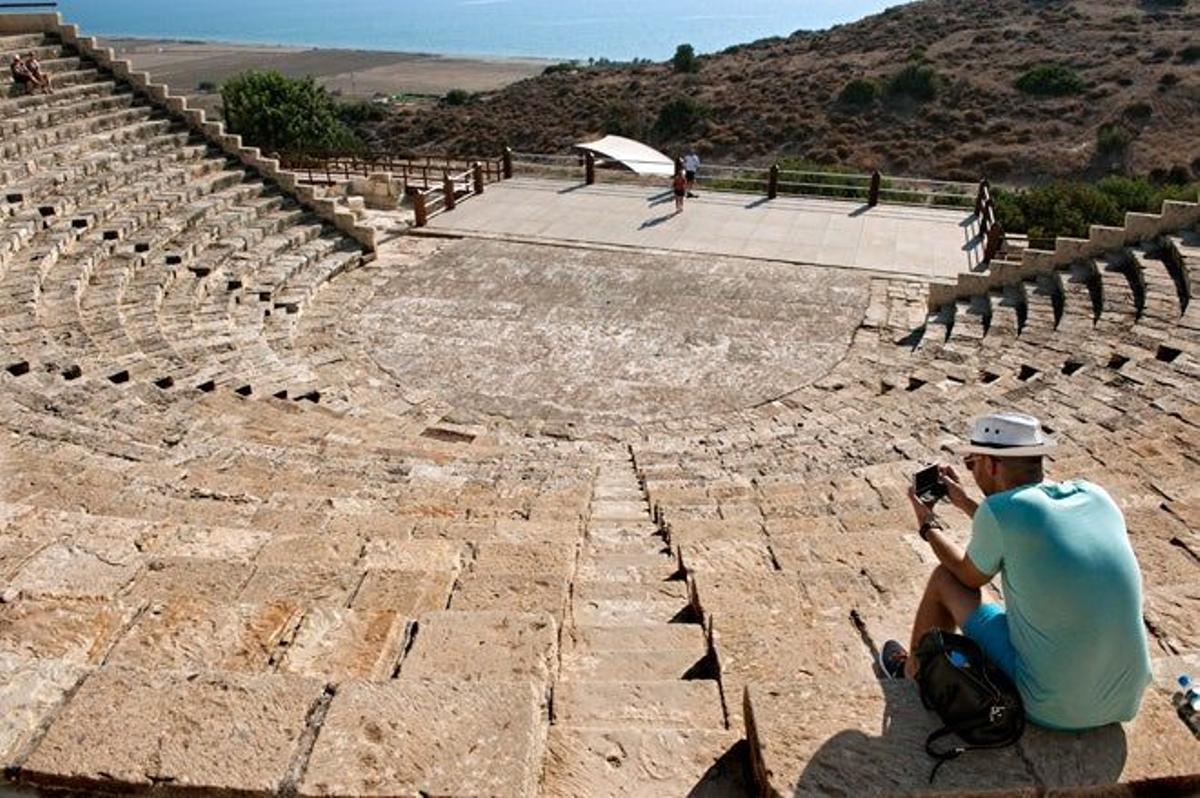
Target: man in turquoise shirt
(1070,633)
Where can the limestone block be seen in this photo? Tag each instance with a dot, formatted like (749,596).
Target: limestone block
(629,666)
(850,549)
(339,645)
(645,763)
(29,691)
(13,553)
(774,596)
(423,737)
(370,526)
(620,511)
(669,704)
(193,731)
(67,570)
(696,531)
(307,587)
(649,637)
(409,593)
(336,551)
(627,568)
(413,555)
(628,604)
(864,740)
(521,531)
(76,631)
(167,578)
(483,646)
(512,593)
(172,540)
(544,558)
(1171,614)
(727,556)
(194,634)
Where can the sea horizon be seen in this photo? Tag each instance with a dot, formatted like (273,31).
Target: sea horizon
(539,29)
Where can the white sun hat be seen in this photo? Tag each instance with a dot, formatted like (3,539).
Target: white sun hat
(1007,435)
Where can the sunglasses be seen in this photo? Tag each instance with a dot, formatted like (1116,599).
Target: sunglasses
(969,460)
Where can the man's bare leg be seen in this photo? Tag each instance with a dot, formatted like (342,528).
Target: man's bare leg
(947,604)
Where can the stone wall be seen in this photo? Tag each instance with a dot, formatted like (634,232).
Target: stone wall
(1138,228)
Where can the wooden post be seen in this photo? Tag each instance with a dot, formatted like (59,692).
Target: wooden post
(873,197)
(477,172)
(448,190)
(589,168)
(419,210)
(773,182)
(507,158)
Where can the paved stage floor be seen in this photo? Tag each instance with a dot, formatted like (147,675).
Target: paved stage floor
(923,242)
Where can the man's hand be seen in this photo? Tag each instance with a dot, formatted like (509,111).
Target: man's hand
(924,511)
(955,491)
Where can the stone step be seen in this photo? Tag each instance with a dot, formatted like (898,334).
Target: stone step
(641,637)
(645,763)
(628,603)
(639,705)
(604,510)
(813,739)
(627,666)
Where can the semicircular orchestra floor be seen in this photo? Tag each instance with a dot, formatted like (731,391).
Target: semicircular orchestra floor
(528,331)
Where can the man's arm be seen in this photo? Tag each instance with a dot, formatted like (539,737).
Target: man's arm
(946,550)
(956,560)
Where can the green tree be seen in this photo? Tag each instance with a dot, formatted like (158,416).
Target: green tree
(679,117)
(1051,80)
(282,114)
(685,60)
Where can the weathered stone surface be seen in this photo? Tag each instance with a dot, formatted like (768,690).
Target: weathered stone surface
(166,579)
(338,645)
(520,531)
(626,568)
(544,558)
(30,690)
(418,737)
(1171,613)
(853,549)
(13,553)
(67,570)
(645,763)
(413,555)
(302,550)
(198,731)
(172,540)
(648,637)
(822,738)
(629,666)
(78,631)
(409,593)
(307,587)
(727,556)
(647,705)
(1155,745)
(202,634)
(512,593)
(489,646)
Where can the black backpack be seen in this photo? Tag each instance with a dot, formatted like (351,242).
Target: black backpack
(975,699)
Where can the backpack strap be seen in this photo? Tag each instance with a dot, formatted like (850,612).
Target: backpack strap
(943,757)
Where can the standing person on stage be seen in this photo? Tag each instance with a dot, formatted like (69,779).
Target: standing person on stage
(691,165)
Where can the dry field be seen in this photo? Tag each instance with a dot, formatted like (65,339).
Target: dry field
(780,97)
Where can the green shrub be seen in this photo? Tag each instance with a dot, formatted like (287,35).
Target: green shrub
(1050,80)
(558,69)
(457,97)
(1113,140)
(916,81)
(1189,54)
(1068,209)
(685,60)
(859,92)
(206,86)
(360,112)
(679,117)
(281,114)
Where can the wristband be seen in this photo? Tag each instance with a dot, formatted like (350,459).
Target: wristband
(929,525)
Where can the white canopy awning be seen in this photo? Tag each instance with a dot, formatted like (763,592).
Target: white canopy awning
(633,155)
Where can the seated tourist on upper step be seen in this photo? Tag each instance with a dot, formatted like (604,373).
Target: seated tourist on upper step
(40,79)
(1070,631)
(20,75)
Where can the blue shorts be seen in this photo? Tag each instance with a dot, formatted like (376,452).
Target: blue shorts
(988,626)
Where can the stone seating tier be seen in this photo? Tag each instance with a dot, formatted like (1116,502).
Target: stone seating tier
(296,575)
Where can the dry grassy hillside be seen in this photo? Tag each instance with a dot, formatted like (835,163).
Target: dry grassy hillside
(1136,65)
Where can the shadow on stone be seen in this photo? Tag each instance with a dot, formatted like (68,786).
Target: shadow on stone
(656,221)
(895,760)
(729,777)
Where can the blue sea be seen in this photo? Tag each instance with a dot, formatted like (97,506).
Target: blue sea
(614,29)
